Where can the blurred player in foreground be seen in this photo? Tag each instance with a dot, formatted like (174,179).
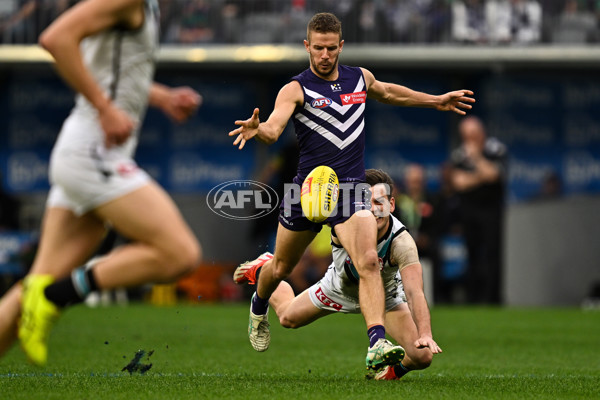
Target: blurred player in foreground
(327,102)
(105,50)
(407,315)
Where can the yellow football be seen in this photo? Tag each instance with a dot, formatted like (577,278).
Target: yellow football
(319,193)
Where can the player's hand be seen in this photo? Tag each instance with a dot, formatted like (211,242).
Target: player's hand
(456,101)
(116,124)
(427,341)
(247,130)
(182,103)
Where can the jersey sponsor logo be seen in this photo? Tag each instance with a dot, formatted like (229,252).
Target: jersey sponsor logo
(336,87)
(321,102)
(353,98)
(327,301)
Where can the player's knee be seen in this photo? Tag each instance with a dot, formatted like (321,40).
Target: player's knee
(186,259)
(423,359)
(289,322)
(368,263)
(281,270)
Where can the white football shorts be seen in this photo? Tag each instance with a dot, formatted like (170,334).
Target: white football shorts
(331,294)
(86,175)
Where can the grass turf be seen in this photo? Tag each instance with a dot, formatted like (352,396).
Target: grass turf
(202,352)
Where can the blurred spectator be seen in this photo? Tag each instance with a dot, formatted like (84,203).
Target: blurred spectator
(198,22)
(448,250)
(406,20)
(514,21)
(469,23)
(574,24)
(551,188)
(29,18)
(414,207)
(170,14)
(479,169)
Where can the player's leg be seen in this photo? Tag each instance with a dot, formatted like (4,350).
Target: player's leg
(10,309)
(289,247)
(294,312)
(358,236)
(401,327)
(66,241)
(163,246)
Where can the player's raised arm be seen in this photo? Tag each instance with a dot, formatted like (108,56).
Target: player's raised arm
(269,131)
(398,95)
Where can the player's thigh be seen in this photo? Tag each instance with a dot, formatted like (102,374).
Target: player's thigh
(66,241)
(302,311)
(290,246)
(150,216)
(358,235)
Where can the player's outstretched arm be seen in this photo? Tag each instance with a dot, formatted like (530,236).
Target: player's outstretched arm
(178,103)
(390,93)
(268,132)
(404,254)
(412,279)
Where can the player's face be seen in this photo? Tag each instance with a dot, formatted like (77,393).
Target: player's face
(382,204)
(324,50)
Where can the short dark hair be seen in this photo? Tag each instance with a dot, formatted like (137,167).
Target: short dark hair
(324,23)
(376,176)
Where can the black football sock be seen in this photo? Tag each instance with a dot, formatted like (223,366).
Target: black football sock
(72,290)
(400,370)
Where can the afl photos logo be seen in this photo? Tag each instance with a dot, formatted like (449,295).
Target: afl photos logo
(321,102)
(242,200)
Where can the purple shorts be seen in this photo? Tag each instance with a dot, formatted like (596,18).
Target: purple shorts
(353,197)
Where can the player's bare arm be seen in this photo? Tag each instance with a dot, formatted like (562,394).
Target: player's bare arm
(178,103)
(268,132)
(62,39)
(404,254)
(390,93)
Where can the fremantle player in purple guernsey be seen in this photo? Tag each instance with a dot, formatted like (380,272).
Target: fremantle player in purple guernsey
(327,103)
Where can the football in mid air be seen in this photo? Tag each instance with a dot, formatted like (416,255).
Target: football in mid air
(319,194)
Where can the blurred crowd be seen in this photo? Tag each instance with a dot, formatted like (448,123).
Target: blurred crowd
(492,22)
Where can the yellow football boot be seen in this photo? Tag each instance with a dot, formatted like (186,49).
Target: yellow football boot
(37,317)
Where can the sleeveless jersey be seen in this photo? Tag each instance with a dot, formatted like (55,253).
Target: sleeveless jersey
(122,62)
(330,124)
(345,270)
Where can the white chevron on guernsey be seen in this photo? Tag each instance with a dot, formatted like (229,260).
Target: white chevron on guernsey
(341,144)
(324,115)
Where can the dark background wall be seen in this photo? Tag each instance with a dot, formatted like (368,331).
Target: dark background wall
(546,116)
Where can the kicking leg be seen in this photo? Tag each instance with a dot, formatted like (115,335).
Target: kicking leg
(358,235)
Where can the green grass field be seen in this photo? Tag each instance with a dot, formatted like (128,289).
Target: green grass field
(202,352)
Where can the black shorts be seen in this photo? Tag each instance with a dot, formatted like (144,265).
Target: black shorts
(353,197)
